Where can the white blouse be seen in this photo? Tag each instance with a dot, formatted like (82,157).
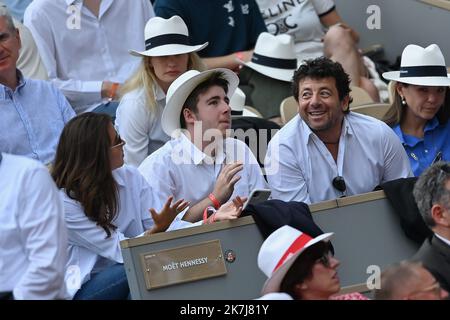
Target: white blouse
(139,127)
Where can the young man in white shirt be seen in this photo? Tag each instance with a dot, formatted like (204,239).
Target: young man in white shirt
(33,235)
(326,151)
(201,165)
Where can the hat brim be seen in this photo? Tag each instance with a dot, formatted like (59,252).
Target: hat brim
(274,73)
(419,81)
(168,50)
(170,120)
(273,283)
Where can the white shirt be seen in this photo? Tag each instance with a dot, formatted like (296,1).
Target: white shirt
(89,249)
(180,169)
(301,20)
(276,296)
(33,236)
(445,240)
(139,127)
(299,166)
(80,50)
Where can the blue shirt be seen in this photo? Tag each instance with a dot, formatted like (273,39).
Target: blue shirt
(228,25)
(423,151)
(32,118)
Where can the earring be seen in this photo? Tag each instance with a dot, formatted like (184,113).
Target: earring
(403,101)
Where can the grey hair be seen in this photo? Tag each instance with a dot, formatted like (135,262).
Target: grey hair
(397,280)
(431,189)
(4,12)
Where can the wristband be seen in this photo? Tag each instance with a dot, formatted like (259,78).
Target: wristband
(113,90)
(214,200)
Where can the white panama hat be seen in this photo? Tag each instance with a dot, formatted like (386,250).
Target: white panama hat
(421,66)
(237,105)
(279,251)
(166,37)
(274,56)
(180,90)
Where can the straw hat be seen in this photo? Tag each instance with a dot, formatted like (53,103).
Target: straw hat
(180,90)
(421,66)
(274,56)
(279,251)
(166,37)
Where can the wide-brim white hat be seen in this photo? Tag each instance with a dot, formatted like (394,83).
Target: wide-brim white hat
(237,105)
(274,56)
(421,66)
(180,90)
(166,37)
(279,251)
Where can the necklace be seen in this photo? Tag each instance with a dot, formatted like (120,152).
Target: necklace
(325,142)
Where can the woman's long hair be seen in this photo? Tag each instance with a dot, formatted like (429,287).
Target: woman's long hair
(396,112)
(145,77)
(82,167)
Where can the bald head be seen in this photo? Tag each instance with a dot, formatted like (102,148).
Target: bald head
(409,281)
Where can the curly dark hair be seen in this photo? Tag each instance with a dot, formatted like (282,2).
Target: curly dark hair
(320,68)
(82,167)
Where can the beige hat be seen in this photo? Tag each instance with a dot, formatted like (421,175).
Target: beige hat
(421,66)
(166,37)
(274,56)
(279,251)
(180,90)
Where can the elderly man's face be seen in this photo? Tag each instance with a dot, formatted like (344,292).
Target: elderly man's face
(9,47)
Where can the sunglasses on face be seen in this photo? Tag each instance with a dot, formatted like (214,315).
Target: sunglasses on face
(118,142)
(435,288)
(339,184)
(325,259)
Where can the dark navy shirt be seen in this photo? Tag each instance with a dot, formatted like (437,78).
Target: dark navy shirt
(228,25)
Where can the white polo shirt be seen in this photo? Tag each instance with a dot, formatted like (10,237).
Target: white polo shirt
(180,169)
(299,166)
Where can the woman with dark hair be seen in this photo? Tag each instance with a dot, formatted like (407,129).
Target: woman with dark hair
(105,202)
(300,267)
(420,111)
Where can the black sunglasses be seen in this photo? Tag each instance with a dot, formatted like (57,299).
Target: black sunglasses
(339,184)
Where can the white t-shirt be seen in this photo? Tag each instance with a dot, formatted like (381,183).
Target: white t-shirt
(299,19)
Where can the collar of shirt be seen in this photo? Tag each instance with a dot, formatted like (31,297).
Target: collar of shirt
(21,82)
(104,5)
(446,241)
(310,135)
(118,177)
(197,156)
(412,141)
(159,93)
